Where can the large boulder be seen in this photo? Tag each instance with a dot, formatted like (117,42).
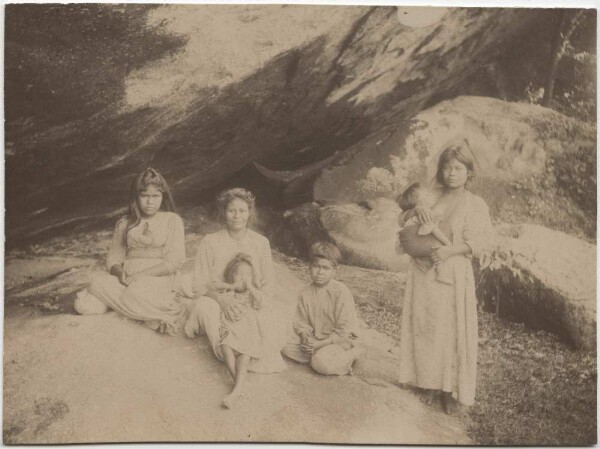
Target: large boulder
(545,279)
(523,155)
(202,91)
(534,164)
(366,233)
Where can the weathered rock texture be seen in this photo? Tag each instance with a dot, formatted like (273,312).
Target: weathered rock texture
(520,150)
(228,91)
(545,279)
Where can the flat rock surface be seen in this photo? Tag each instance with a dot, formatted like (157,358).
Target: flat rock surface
(83,379)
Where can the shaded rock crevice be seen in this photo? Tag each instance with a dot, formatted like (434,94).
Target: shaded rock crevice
(305,104)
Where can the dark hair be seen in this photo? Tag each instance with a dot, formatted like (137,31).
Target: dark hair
(149,177)
(455,152)
(227,196)
(325,250)
(238,260)
(409,198)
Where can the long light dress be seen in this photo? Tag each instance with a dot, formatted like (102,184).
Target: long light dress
(215,251)
(438,347)
(244,335)
(151,299)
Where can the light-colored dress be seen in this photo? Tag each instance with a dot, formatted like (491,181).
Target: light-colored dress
(321,312)
(151,299)
(438,347)
(215,251)
(244,335)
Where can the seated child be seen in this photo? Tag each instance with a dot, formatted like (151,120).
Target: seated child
(325,319)
(240,339)
(419,239)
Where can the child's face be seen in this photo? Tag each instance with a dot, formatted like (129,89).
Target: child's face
(321,271)
(149,201)
(242,275)
(454,174)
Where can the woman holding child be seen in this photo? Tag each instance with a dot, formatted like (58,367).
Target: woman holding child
(218,286)
(438,350)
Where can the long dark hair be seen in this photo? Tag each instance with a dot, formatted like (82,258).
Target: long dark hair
(149,177)
(461,155)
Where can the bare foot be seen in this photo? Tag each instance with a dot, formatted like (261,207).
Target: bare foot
(428,397)
(358,365)
(450,405)
(189,330)
(230,400)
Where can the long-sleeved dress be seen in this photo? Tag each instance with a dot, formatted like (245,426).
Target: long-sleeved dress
(320,313)
(438,347)
(151,299)
(244,335)
(215,251)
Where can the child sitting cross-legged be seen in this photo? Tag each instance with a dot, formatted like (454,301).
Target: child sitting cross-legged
(325,322)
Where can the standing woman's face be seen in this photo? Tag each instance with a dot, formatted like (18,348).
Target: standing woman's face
(455,174)
(237,214)
(149,201)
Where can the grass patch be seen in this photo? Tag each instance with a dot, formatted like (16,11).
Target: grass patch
(532,388)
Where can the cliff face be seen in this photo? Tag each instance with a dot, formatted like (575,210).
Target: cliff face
(221,87)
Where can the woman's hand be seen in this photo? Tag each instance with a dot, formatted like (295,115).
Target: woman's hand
(441,253)
(220,286)
(425,215)
(233,312)
(123,278)
(229,305)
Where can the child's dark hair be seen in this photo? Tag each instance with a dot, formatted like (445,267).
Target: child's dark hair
(409,198)
(325,250)
(239,259)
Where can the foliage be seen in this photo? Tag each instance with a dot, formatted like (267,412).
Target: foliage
(579,165)
(575,84)
(532,389)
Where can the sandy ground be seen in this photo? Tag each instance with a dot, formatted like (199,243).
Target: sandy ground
(76,379)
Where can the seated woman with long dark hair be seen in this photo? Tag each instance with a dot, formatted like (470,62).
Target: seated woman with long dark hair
(145,254)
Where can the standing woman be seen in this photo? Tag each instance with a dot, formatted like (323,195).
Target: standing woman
(237,212)
(146,252)
(438,348)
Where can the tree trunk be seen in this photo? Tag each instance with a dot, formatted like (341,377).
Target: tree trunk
(555,57)
(568,24)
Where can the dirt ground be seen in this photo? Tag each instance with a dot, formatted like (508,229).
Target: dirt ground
(83,379)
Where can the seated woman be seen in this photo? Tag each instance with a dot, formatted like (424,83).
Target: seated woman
(146,252)
(215,251)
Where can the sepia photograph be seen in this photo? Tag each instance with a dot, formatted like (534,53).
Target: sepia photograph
(293,223)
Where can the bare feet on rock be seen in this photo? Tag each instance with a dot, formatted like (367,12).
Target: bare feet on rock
(449,403)
(428,396)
